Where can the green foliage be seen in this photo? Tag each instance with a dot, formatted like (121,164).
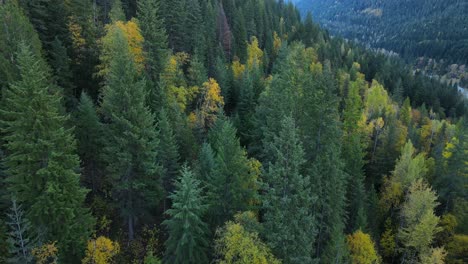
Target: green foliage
(168,155)
(152,29)
(290,232)
(420,222)
(230,188)
(235,245)
(187,242)
(14,20)
(41,158)
(132,138)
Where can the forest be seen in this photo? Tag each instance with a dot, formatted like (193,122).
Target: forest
(419,28)
(220,131)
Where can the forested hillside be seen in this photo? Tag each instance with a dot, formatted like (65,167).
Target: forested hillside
(219,131)
(432,28)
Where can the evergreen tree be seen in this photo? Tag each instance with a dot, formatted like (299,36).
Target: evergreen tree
(290,231)
(168,155)
(20,238)
(13,19)
(175,16)
(41,158)
(89,133)
(117,13)
(131,148)
(152,29)
(188,234)
(230,187)
(353,155)
(206,163)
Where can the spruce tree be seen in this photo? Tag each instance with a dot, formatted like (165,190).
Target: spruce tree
(152,29)
(21,239)
(89,133)
(168,154)
(290,226)
(131,148)
(175,15)
(229,187)
(188,234)
(41,159)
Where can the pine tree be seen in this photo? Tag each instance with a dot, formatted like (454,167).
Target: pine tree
(353,155)
(131,148)
(290,226)
(175,15)
(41,157)
(168,152)
(188,234)
(13,19)
(117,13)
(205,163)
(230,188)
(20,238)
(89,133)
(152,29)
(60,63)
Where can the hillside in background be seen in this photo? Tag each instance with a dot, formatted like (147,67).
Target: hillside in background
(430,28)
(220,131)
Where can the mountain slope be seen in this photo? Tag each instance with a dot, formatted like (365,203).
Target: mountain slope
(433,28)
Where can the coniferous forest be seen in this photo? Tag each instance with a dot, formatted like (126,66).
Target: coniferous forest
(219,131)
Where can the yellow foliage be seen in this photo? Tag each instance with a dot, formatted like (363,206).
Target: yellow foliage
(255,54)
(435,256)
(100,251)
(458,249)
(276,43)
(235,245)
(211,102)
(46,254)
(316,68)
(449,148)
(362,249)
(238,69)
(76,34)
(377,101)
(134,38)
(392,194)
(387,241)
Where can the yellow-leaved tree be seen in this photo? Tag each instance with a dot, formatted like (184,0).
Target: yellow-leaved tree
(210,104)
(362,248)
(100,251)
(236,245)
(254,54)
(132,33)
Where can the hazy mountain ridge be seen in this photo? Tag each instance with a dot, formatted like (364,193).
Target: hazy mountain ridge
(436,29)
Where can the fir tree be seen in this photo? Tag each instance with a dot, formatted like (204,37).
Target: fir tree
(41,158)
(89,133)
(188,234)
(229,187)
(168,155)
(20,238)
(131,148)
(152,29)
(290,231)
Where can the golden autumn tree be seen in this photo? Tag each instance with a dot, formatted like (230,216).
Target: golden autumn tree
(46,254)
(101,251)
(362,248)
(236,245)
(132,33)
(254,54)
(210,104)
